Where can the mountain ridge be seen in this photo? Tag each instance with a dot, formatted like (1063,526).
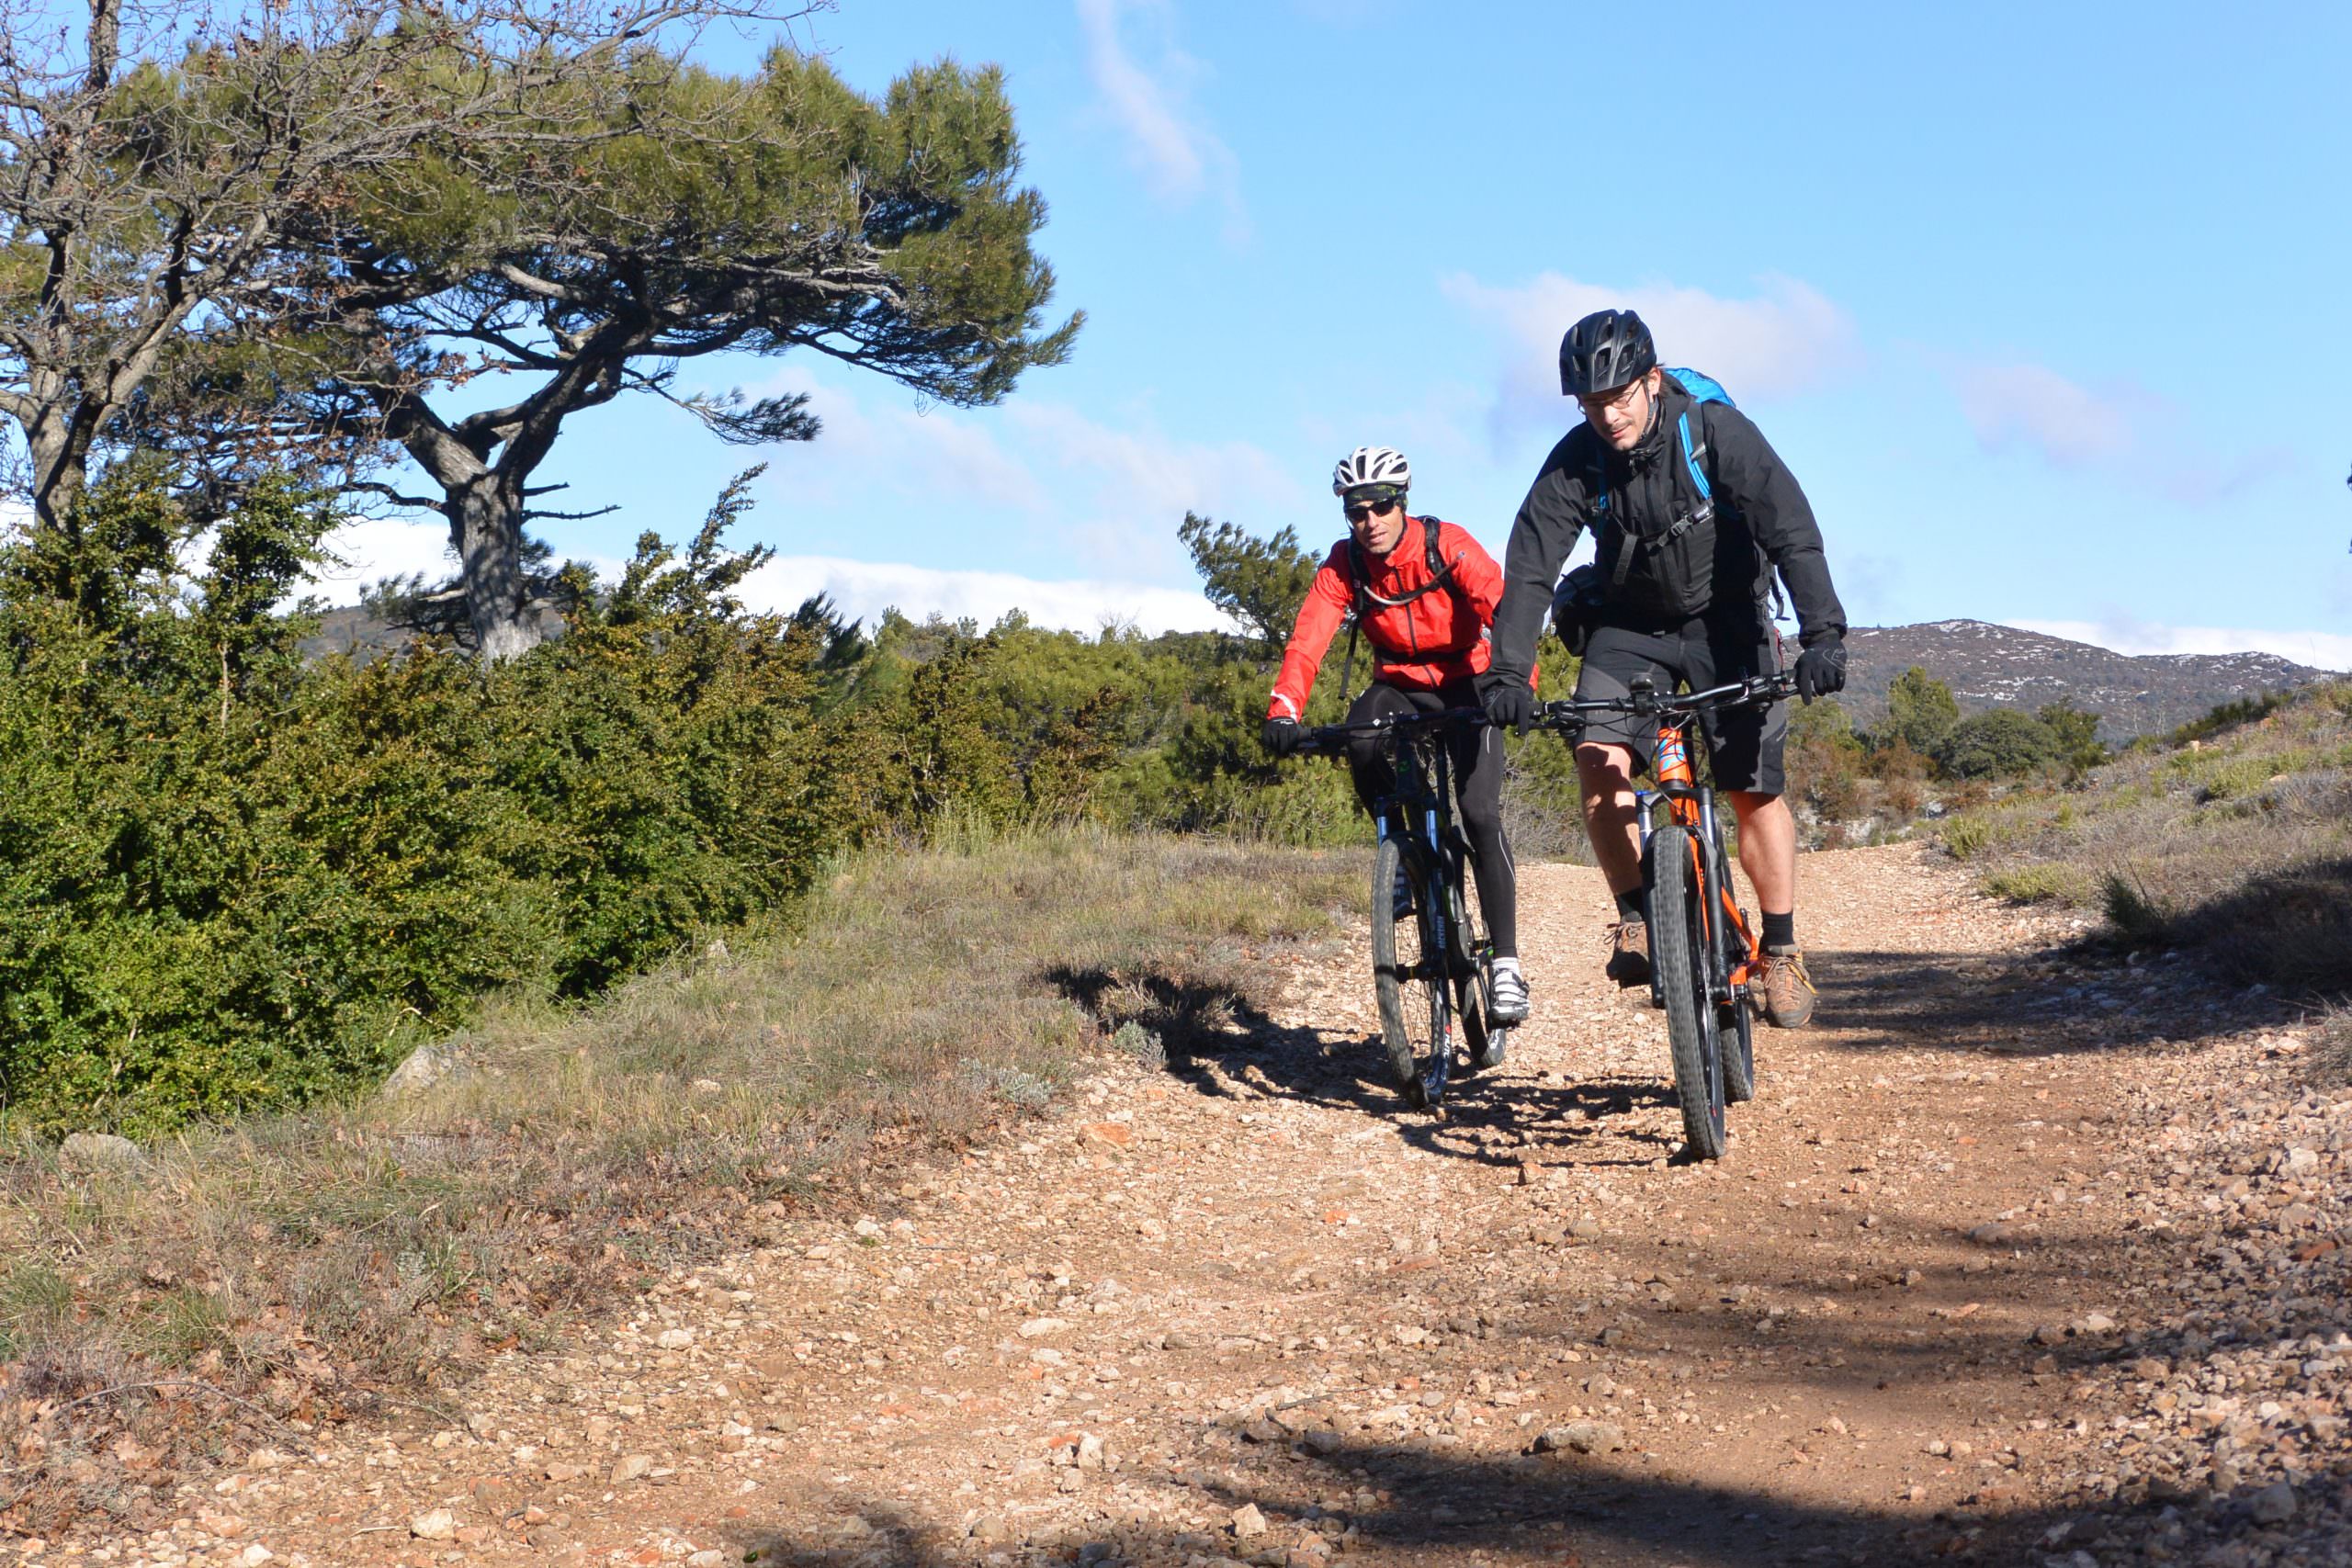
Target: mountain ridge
(1990,665)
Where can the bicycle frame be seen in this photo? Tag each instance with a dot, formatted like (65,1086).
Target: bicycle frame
(1688,804)
(1692,804)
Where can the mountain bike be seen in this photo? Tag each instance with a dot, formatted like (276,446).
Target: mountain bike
(1702,951)
(1433,960)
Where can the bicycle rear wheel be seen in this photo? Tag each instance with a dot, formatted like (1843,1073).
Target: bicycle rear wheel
(1735,1019)
(1474,979)
(1736,1030)
(1678,952)
(1408,977)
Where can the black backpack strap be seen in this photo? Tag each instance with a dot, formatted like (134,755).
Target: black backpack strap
(1603,518)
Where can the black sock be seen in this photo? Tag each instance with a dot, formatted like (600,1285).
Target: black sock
(1629,906)
(1779,930)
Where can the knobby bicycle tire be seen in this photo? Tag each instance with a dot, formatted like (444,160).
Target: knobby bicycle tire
(1414,1024)
(1736,1031)
(1472,981)
(1679,953)
(1734,1021)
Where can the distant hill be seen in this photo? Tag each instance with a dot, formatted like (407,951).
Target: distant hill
(354,631)
(1989,666)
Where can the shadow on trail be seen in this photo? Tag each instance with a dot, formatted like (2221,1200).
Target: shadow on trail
(1213,1034)
(1420,1503)
(2019,1003)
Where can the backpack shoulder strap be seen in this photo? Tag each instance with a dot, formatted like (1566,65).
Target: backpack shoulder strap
(1441,570)
(1694,454)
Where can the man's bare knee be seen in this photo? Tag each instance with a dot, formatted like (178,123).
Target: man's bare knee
(1609,764)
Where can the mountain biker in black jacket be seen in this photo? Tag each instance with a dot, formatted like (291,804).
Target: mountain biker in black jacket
(1678,590)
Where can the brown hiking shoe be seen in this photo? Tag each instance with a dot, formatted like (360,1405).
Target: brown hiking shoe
(1629,954)
(1785,987)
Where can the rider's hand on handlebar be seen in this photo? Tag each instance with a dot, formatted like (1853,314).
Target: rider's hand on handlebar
(1284,737)
(1821,668)
(1507,701)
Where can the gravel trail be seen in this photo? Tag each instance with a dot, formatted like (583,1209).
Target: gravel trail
(2017,1257)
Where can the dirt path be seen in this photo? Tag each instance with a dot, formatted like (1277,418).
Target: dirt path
(1251,1308)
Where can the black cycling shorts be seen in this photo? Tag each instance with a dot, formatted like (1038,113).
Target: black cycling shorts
(1744,743)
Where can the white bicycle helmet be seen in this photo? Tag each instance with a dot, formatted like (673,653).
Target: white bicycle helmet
(1372,465)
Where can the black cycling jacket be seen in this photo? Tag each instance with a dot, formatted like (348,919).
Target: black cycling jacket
(1762,522)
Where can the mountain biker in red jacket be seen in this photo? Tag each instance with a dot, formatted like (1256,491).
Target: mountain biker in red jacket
(1428,631)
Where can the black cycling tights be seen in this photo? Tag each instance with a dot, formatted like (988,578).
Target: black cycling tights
(1477,784)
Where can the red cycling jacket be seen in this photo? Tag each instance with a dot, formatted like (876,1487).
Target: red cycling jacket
(1426,643)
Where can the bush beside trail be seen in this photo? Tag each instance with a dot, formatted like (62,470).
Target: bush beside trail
(2231,840)
(238,879)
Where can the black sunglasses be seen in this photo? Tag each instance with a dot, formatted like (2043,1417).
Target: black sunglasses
(1357,512)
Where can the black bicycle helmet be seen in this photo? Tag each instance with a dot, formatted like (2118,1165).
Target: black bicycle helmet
(1605,350)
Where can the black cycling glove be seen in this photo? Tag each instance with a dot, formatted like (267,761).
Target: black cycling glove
(1284,737)
(1821,668)
(1509,703)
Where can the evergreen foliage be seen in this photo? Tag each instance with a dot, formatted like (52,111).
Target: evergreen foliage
(237,878)
(1261,583)
(2075,733)
(1999,743)
(1920,711)
(702,214)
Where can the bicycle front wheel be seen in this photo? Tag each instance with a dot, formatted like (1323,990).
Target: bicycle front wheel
(1408,971)
(1678,954)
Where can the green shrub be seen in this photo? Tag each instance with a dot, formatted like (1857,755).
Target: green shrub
(2137,915)
(1965,837)
(1920,711)
(2241,778)
(2229,716)
(2040,883)
(236,879)
(1999,743)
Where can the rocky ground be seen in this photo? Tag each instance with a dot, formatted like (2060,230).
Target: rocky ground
(2018,1258)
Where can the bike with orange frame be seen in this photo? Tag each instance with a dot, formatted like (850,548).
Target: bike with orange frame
(1702,948)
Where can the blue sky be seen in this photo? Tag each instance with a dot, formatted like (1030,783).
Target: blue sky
(2045,306)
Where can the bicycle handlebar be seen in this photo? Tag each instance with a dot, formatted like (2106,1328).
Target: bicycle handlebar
(1332,736)
(1754,688)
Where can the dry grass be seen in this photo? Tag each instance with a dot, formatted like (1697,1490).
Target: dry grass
(276,1273)
(2237,845)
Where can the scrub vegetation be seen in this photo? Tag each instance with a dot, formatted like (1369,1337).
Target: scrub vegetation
(2230,840)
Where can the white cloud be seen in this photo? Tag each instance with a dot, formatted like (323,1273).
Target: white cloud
(2320,650)
(1785,339)
(1180,155)
(865,589)
(1131,486)
(1112,493)
(376,547)
(937,452)
(2034,407)
(2117,428)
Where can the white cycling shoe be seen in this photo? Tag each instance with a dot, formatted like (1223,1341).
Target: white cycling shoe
(1506,1002)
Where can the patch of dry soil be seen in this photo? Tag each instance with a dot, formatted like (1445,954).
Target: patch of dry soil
(1941,1299)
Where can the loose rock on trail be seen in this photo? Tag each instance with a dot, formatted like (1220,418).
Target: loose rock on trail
(2018,1257)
